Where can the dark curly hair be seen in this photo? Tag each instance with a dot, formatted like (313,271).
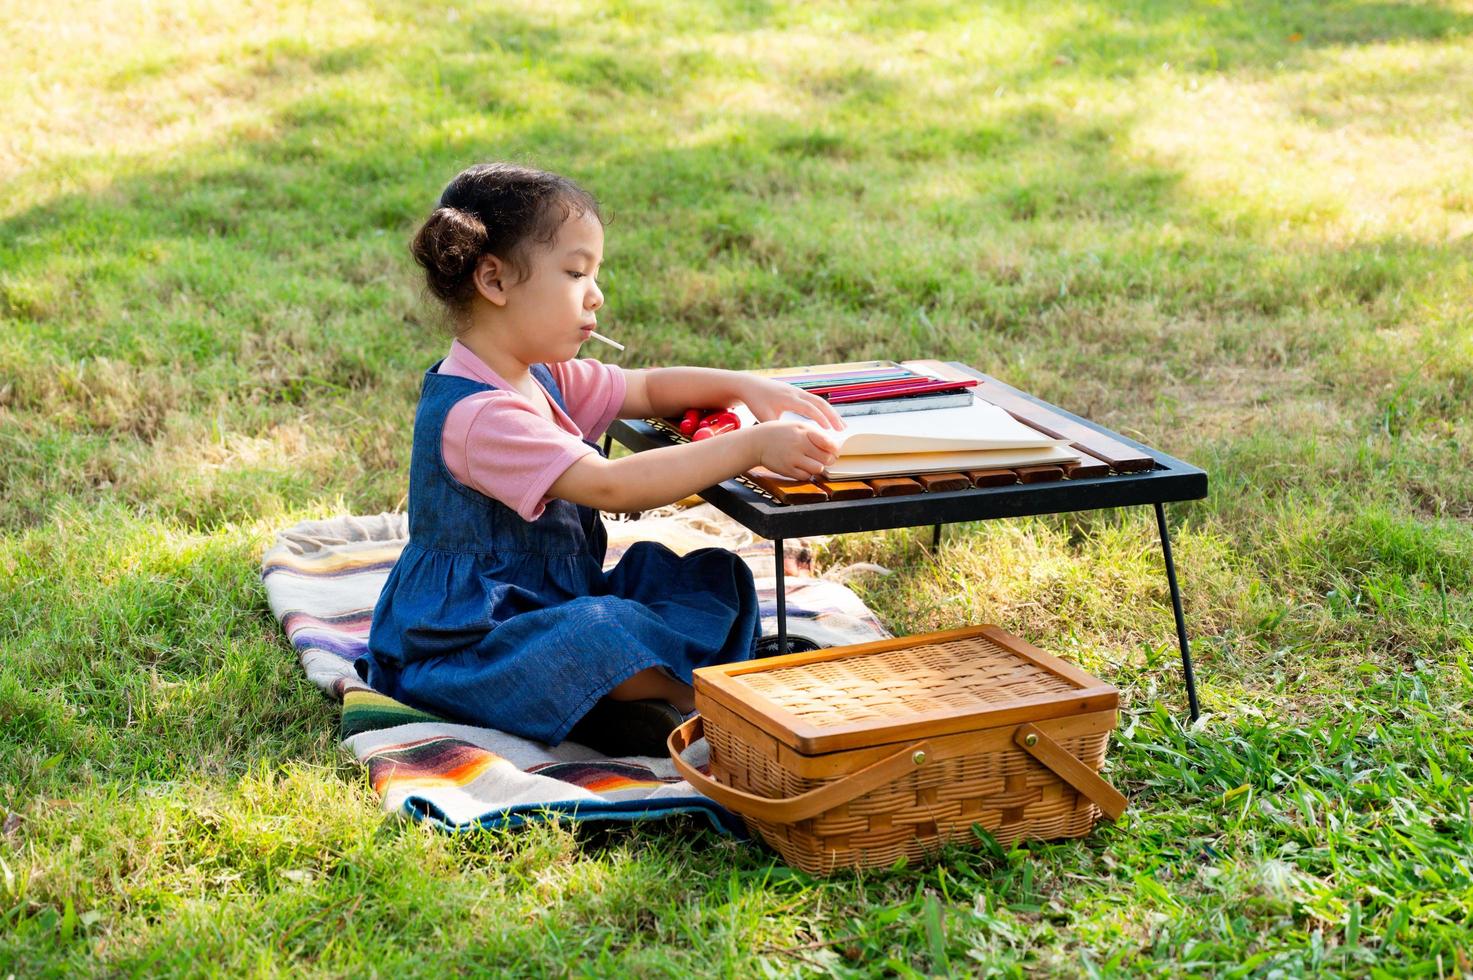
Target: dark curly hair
(498,209)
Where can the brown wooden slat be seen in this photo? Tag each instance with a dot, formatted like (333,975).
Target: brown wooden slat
(941,482)
(1122,458)
(992,478)
(846,489)
(785,490)
(895,486)
(1117,454)
(1039,474)
(1087,467)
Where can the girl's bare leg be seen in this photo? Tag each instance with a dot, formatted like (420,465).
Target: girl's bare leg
(652,682)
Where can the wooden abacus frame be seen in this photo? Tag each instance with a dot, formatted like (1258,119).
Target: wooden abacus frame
(1134,475)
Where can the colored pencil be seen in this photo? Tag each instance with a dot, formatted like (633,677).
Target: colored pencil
(865,385)
(878,393)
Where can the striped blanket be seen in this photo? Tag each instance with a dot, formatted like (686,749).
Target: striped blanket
(322,579)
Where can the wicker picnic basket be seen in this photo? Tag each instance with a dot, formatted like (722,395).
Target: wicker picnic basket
(853,756)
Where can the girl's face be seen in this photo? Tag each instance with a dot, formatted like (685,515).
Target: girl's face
(553,309)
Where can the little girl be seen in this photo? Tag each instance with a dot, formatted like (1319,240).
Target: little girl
(498,611)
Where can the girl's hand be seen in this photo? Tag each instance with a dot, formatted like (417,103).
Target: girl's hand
(796,450)
(768,399)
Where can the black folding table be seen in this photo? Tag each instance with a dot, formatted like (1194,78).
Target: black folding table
(1168,480)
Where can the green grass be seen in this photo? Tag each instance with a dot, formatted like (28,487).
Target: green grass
(1239,232)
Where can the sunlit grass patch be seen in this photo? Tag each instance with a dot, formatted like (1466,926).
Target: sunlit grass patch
(1363,144)
(110,85)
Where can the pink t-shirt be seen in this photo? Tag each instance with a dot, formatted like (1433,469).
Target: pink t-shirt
(496,443)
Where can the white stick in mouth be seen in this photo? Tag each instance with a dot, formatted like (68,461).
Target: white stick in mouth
(612,343)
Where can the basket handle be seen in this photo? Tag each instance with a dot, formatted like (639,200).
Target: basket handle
(793,808)
(1084,779)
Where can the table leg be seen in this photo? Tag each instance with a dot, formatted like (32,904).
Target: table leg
(935,538)
(1181,625)
(782,596)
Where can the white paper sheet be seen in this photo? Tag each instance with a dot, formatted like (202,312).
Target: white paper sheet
(975,427)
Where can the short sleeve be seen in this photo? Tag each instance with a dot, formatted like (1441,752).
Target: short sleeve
(495,443)
(593,392)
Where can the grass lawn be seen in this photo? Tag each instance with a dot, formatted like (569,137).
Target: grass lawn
(1237,231)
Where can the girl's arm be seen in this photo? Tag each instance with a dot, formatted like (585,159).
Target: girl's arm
(663,476)
(667,392)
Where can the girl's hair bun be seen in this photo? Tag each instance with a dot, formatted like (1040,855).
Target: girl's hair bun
(448,246)
(499,209)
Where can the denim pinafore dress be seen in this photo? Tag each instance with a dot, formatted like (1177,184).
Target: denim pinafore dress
(496,621)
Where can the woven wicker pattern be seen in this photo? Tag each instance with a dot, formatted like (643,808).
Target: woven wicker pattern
(971,776)
(896,685)
(1009,793)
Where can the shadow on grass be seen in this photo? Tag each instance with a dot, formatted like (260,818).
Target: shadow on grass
(134,649)
(1208,36)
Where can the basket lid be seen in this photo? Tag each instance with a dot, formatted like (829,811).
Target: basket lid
(911,687)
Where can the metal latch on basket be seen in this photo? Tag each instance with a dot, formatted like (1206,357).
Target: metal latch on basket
(1064,765)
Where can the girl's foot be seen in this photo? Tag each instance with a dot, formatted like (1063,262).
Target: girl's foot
(627,727)
(767,646)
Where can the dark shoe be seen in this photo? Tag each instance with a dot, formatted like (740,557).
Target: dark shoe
(627,727)
(767,645)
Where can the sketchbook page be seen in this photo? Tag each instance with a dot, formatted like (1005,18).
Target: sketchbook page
(893,464)
(975,426)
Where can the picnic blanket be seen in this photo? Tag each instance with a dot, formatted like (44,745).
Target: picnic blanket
(322,579)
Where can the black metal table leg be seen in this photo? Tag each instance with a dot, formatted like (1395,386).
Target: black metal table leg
(1181,625)
(782,596)
(935,538)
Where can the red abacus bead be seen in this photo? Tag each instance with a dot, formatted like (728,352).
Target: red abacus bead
(715,429)
(689,421)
